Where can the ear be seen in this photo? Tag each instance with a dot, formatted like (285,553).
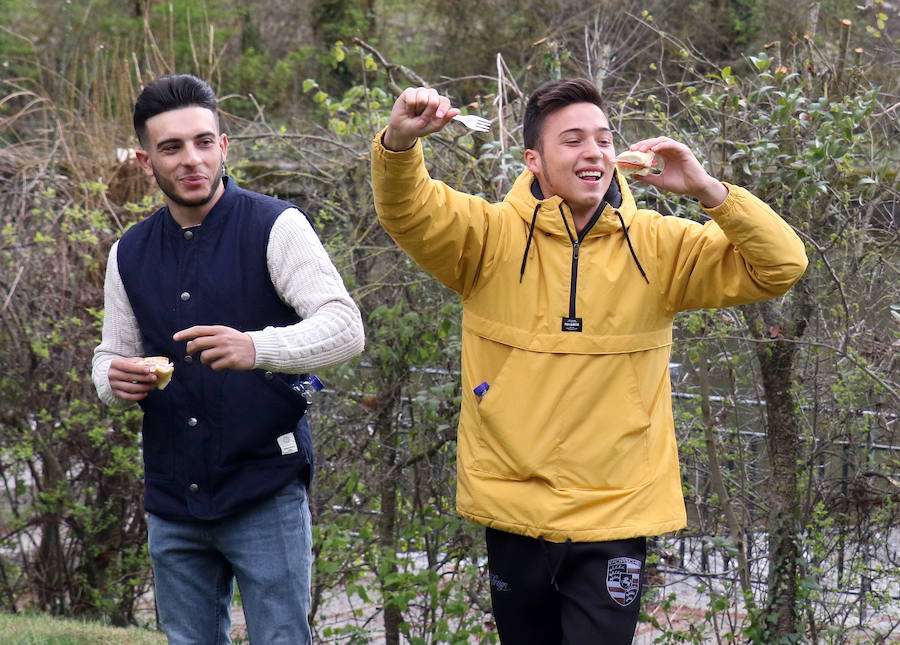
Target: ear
(223,144)
(533,161)
(143,158)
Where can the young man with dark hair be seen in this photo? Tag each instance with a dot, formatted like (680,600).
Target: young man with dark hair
(236,289)
(569,293)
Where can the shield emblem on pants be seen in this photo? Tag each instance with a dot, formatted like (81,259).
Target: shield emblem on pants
(623,580)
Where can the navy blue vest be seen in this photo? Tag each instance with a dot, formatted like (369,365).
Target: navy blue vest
(210,439)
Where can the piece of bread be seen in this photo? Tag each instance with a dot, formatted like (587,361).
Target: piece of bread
(162,367)
(635,162)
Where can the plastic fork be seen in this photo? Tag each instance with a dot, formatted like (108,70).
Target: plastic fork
(473,122)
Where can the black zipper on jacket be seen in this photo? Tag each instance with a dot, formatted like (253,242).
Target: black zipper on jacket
(572,322)
(573,288)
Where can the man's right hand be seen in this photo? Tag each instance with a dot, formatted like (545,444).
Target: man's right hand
(418,111)
(130,379)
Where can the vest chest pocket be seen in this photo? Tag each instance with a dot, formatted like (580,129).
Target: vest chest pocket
(257,408)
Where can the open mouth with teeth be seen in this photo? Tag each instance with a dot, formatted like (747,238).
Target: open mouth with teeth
(590,175)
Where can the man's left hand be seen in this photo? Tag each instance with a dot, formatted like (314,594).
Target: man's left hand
(219,346)
(682,172)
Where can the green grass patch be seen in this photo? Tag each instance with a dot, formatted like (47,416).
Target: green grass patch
(19,629)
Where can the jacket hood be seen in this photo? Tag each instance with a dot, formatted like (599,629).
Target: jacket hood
(552,216)
(526,197)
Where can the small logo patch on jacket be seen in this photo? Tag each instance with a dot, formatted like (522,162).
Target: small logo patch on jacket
(571,324)
(623,580)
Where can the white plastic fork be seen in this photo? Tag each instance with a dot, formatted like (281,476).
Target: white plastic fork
(473,122)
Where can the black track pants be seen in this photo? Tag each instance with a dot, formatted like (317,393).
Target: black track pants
(572,593)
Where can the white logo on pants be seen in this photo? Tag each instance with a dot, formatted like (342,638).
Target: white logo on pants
(623,580)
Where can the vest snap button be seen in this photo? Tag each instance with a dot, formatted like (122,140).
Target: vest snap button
(188,235)
(269,376)
(192,421)
(185,296)
(193,488)
(188,359)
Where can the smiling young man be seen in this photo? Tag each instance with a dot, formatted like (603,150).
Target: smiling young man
(237,291)
(569,292)
(186,155)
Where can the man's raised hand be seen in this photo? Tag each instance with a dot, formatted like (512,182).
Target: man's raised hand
(682,173)
(417,112)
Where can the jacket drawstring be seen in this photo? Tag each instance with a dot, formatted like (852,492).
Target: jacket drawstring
(631,248)
(554,568)
(531,236)
(528,243)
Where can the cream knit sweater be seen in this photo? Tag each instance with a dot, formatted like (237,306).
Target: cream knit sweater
(330,333)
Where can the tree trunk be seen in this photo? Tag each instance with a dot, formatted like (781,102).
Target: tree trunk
(50,564)
(387,526)
(783,441)
(783,432)
(717,481)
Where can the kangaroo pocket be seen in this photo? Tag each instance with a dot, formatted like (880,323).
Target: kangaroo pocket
(576,421)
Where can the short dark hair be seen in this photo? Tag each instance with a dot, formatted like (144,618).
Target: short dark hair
(553,96)
(171,92)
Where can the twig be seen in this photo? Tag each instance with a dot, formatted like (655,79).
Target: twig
(890,388)
(301,137)
(193,47)
(837,282)
(845,45)
(389,67)
(112,210)
(12,289)
(447,80)
(887,111)
(500,94)
(715,474)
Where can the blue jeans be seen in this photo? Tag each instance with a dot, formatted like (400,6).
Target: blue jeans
(267,548)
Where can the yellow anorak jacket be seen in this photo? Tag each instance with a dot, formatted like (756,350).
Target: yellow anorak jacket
(575,437)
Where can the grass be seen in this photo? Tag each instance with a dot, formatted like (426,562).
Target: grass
(22,629)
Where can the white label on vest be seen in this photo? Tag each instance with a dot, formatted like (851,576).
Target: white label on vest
(288,444)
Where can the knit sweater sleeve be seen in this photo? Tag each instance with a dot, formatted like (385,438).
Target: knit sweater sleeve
(305,278)
(121,336)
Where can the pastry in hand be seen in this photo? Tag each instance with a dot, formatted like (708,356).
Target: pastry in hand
(634,162)
(162,367)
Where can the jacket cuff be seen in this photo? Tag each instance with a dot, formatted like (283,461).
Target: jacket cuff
(735,202)
(379,148)
(395,174)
